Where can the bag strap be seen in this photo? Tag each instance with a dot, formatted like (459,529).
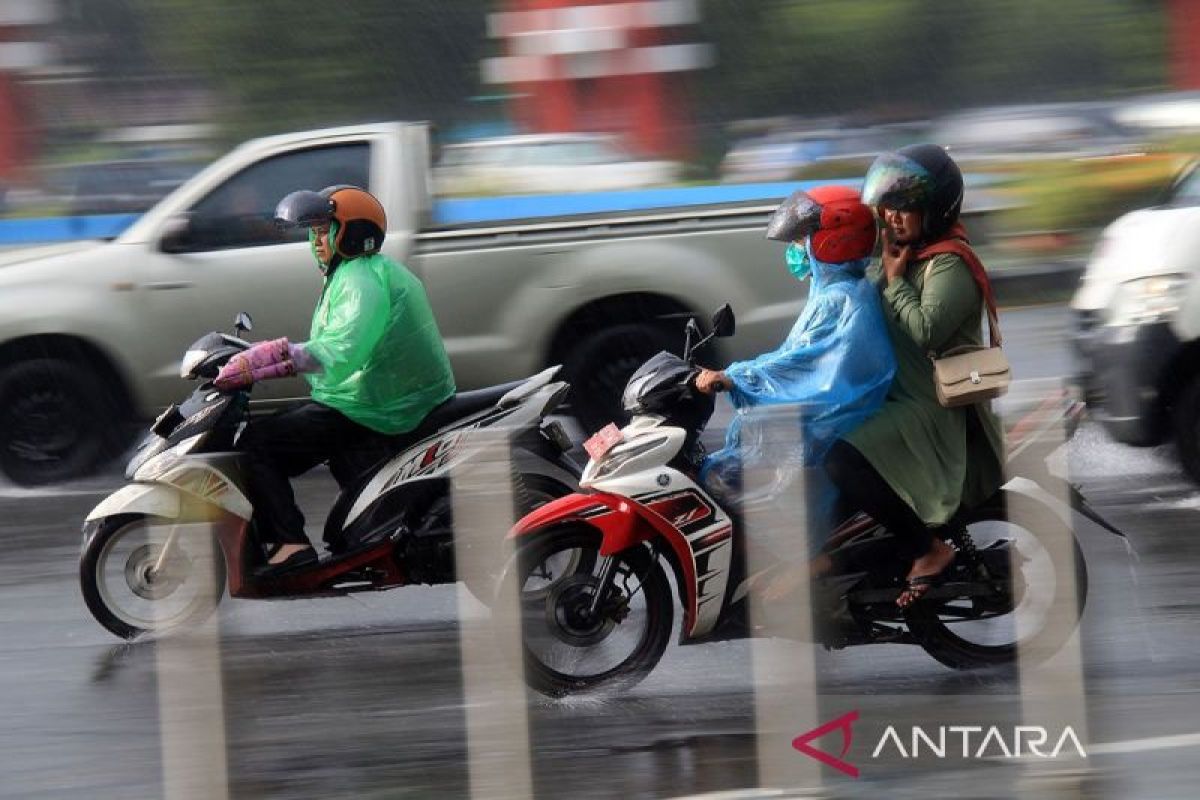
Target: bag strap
(959,246)
(962,349)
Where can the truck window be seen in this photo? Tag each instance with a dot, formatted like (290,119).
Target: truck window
(1187,191)
(241,211)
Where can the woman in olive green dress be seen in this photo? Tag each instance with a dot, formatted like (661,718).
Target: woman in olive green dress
(913,464)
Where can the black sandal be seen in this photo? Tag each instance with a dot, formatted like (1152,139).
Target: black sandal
(917,587)
(298,559)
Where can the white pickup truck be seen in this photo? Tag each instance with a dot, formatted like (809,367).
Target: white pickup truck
(91,333)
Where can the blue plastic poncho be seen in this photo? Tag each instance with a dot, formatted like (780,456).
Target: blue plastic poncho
(834,369)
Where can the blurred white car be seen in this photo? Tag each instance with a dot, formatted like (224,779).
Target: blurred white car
(545,163)
(1137,314)
(777,157)
(1161,114)
(1023,132)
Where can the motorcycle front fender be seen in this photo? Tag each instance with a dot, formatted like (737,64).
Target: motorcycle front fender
(622,523)
(151,499)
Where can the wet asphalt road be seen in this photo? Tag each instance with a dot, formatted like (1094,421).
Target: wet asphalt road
(362,696)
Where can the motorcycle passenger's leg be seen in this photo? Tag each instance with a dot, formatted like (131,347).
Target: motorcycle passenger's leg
(866,489)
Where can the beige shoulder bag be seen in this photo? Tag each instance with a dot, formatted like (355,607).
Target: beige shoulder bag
(972,373)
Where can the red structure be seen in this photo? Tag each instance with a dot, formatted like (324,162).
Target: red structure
(21,50)
(598,65)
(14,149)
(1183,22)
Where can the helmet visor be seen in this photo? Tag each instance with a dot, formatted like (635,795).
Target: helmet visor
(899,183)
(303,209)
(796,217)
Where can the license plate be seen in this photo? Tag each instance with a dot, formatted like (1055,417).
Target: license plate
(602,441)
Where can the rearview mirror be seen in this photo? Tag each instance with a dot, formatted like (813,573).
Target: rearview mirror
(723,322)
(242,323)
(176,235)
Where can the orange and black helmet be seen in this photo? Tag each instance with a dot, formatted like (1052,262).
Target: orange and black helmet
(357,220)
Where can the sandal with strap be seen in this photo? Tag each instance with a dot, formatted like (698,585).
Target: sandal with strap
(916,587)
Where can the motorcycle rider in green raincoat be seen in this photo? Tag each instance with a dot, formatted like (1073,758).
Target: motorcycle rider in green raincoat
(374,359)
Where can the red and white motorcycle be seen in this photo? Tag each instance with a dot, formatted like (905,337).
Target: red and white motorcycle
(596,606)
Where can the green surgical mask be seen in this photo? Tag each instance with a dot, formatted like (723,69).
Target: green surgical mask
(312,243)
(797,261)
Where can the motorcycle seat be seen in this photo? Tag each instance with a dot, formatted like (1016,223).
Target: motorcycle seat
(464,404)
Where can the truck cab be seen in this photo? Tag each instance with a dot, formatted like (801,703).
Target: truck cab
(1137,324)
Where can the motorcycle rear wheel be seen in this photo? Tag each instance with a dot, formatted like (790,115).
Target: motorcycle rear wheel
(552,614)
(942,636)
(123,592)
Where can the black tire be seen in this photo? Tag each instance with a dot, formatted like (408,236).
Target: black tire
(940,640)
(1186,423)
(96,594)
(599,367)
(58,421)
(537,607)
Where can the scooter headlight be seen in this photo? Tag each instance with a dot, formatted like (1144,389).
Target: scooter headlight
(159,465)
(150,448)
(191,360)
(619,457)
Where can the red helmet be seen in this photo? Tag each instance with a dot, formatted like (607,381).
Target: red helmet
(841,226)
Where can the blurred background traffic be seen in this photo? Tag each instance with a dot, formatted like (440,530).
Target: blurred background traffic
(1065,115)
(1068,112)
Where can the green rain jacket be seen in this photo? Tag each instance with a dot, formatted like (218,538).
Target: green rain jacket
(383,362)
(935,458)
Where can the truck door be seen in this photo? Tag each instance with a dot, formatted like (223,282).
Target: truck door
(226,255)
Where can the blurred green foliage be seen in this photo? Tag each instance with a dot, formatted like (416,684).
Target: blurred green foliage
(286,64)
(915,58)
(279,66)
(1082,194)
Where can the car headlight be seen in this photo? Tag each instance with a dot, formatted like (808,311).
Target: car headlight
(158,466)
(1147,300)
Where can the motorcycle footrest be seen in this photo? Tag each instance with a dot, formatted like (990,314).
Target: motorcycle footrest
(945,591)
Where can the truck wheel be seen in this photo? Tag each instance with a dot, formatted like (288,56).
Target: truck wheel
(599,367)
(57,421)
(1187,428)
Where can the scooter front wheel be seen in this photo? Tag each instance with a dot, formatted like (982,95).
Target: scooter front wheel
(568,647)
(132,587)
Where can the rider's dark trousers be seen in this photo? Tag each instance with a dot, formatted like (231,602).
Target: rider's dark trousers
(865,489)
(290,443)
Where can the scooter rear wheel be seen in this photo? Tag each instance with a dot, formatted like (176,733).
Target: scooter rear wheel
(130,594)
(1041,618)
(566,649)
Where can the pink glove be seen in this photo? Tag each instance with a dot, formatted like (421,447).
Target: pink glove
(263,361)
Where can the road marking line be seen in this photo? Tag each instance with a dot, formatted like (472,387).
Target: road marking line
(1174,742)
(1142,745)
(18,493)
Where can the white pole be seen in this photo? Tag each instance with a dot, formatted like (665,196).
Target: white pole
(775,517)
(498,752)
(1052,680)
(190,691)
